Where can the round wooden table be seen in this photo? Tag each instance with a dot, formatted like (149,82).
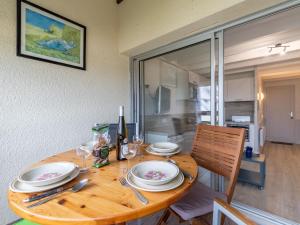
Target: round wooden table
(104,200)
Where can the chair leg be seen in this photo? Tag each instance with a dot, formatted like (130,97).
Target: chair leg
(164,218)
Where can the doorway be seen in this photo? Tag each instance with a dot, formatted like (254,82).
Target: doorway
(279,114)
(178,88)
(246,55)
(261,73)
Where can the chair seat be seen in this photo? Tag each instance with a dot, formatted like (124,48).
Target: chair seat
(197,202)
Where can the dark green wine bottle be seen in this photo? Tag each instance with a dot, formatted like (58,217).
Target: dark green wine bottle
(122,138)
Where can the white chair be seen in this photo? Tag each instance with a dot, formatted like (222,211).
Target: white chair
(223,208)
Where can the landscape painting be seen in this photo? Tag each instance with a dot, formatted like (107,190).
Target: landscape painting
(46,36)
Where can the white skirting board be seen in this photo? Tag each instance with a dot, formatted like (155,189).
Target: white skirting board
(261,217)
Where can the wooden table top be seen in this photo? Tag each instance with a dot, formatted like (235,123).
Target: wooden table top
(104,200)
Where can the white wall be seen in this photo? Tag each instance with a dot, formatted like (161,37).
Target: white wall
(146,24)
(47,108)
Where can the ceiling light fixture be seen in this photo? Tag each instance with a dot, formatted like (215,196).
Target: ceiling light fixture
(279,46)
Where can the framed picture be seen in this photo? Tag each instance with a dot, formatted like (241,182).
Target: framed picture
(47,36)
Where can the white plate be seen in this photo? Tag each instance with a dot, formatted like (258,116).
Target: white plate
(17,186)
(146,187)
(164,147)
(58,170)
(143,169)
(149,150)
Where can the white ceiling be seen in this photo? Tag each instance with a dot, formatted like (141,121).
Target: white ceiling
(246,46)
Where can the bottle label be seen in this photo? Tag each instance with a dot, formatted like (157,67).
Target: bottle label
(124,148)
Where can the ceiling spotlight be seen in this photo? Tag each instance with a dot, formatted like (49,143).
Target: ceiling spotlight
(282,49)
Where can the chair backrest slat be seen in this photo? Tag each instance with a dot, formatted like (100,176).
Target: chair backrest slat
(219,149)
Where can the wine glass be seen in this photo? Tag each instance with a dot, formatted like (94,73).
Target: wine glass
(84,151)
(138,140)
(108,140)
(129,152)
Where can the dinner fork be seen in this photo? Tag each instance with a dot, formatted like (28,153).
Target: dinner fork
(136,192)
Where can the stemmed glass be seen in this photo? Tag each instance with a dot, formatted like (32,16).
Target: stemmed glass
(129,152)
(84,151)
(108,140)
(138,140)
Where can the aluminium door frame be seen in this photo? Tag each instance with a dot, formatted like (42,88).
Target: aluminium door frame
(219,32)
(137,73)
(194,39)
(137,81)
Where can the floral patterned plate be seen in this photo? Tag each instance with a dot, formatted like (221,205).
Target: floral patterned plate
(155,188)
(155,172)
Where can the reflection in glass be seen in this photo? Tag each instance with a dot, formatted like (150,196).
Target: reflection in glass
(177,95)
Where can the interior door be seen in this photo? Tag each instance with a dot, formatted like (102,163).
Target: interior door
(279,113)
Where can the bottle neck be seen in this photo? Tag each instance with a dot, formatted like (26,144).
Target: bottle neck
(121,111)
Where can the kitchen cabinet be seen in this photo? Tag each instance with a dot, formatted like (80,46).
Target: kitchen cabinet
(168,75)
(194,78)
(239,89)
(183,89)
(152,75)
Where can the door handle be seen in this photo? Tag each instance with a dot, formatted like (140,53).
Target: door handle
(291,115)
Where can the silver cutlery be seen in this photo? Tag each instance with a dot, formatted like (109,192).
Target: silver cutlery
(185,173)
(43,195)
(75,188)
(136,192)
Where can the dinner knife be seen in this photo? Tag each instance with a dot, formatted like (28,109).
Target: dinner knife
(45,194)
(75,188)
(43,201)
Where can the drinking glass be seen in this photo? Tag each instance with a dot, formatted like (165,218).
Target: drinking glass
(138,140)
(108,140)
(84,151)
(129,152)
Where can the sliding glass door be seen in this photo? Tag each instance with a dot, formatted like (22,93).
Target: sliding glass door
(177,94)
(180,85)
(177,88)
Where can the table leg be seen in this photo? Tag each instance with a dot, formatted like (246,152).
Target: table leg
(262,174)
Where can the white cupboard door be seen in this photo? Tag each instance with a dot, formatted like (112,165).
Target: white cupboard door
(194,78)
(240,89)
(182,90)
(167,75)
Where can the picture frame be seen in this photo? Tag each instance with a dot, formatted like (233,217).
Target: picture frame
(46,36)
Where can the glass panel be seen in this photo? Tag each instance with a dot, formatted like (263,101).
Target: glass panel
(255,57)
(177,94)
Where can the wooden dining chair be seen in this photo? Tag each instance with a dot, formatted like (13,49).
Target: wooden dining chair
(218,149)
(222,208)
